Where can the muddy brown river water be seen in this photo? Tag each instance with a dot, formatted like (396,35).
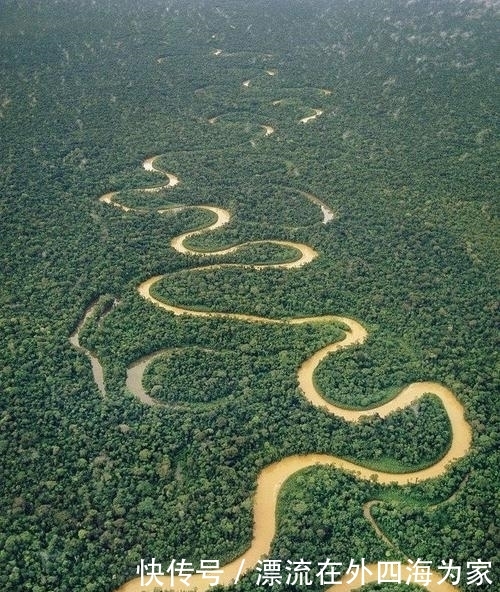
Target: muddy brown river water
(272,477)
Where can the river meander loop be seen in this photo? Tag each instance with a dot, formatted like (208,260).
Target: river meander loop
(272,477)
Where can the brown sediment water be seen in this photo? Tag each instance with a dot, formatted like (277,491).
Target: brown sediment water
(222,218)
(269,484)
(317,113)
(135,373)
(74,339)
(271,478)
(328,214)
(173,180)
(367,513)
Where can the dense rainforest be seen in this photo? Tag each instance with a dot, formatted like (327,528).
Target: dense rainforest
(384,113)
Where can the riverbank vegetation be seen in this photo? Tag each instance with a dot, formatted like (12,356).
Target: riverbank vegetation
(403,153)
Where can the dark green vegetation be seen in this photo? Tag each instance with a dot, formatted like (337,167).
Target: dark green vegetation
(404,154)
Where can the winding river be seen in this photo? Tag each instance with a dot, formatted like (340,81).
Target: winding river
(317,113)
(272,477)
(74,339)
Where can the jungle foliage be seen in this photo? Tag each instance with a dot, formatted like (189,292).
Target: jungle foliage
(404,154)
